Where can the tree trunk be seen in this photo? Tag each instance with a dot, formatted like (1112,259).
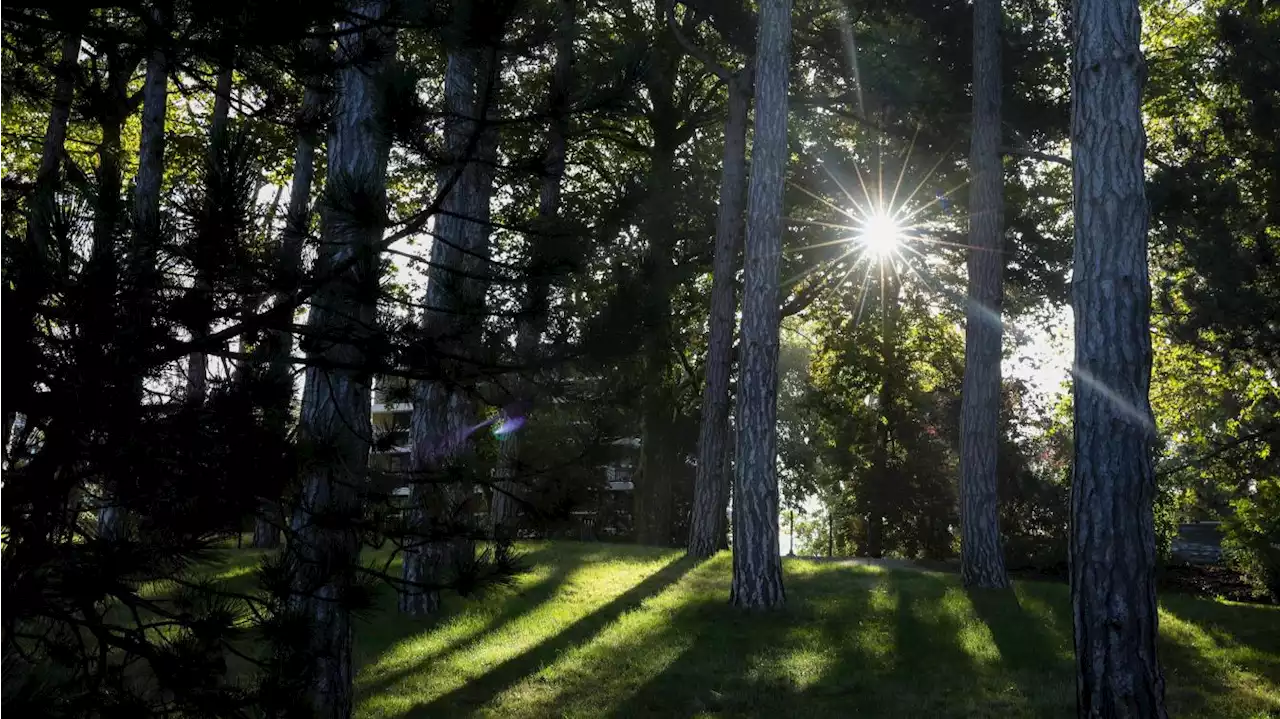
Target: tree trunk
(146,209)
(148,183)
(533,321)
(325,546)
(444,409)
(653,494)
(981,556)
(198,363)
(55,137)
(102,269)
(886,402)
(27,294)
(757,564)
(277,347)
(1113,549)
(711,483)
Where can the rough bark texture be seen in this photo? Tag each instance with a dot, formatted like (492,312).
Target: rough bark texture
(335,424)
(1113,551)
(443,410)
(981,556)
(198,362)
(711,483)
(504,505)
(757,564)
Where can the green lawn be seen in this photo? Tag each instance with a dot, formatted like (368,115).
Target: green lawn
(607,630)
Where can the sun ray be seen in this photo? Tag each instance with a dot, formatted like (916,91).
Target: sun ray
(902,171)
(847,194)
(909,199)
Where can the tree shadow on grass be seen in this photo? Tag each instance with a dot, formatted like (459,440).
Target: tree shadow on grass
(517,604)
(1029,653)
(741,663)
(480,690)
(1219,660)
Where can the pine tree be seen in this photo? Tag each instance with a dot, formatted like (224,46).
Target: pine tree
(982,559)
(1113,552)
(325,544)
(757,565)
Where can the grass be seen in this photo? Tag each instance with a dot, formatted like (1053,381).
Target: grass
(619,631)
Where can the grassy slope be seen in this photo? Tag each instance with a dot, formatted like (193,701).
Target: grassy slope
(620,631)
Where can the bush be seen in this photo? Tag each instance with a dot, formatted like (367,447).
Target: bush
(1251,536)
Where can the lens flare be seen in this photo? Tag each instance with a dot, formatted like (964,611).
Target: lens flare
(880,234)
(507,426)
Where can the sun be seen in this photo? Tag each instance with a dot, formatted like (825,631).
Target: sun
(880,235)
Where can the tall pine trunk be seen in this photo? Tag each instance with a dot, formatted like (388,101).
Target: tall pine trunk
(47,176)
(532,322)
(335,420)
(981,556)
(198,362)
(40,213)
(1113,549)
(711,483)
(277,347)
(757,564)
(146,221)
(444,409)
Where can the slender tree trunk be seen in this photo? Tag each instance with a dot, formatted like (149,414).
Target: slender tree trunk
(533,322)
(21,334)
(102,269)
(711,483)
(981,556)
(757,564)
(877,491)
(653,494)
(325,545)
(146,223)
(443,410)
(198,363)
(55,137)
(1113,549)
(277,348)
(146,209)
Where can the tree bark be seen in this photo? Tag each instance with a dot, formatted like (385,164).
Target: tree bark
(146,217)
(711,483)
(198,362)
(113,108)
(981,555)
(443,410)
(1113,550)
(757,561)
(55,137)
(277,345)
(533,320)
(40,213)
(325,546)
(155,103)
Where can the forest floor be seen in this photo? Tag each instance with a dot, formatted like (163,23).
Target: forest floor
(599,630)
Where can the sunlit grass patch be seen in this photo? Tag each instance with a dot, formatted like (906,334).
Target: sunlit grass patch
(619,631)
